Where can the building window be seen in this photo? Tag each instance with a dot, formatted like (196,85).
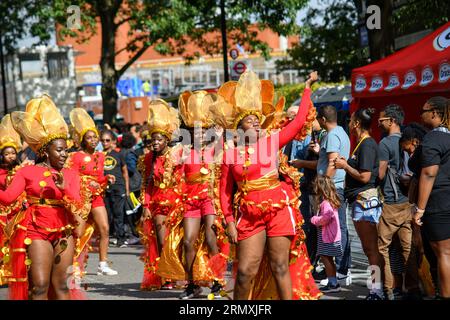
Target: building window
(9,69)
(30,66)
(58,65)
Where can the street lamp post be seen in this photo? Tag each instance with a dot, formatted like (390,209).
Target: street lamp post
(223,26)
(2,67)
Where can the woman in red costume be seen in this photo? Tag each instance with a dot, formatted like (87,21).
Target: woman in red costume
(205,257)
(161,196)
(41,241)
(9,146)
(89,163)
(267,226)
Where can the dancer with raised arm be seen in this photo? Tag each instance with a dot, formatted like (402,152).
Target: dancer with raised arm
(263,216)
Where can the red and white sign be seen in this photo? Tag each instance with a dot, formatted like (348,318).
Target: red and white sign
(393,83)
(442,41)
(234,54)
(237,68)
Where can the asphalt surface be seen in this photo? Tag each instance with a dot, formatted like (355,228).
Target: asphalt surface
(126,285)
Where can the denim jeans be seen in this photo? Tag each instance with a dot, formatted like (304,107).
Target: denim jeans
(343,262)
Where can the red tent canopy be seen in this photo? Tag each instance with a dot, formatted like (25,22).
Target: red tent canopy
(408,77)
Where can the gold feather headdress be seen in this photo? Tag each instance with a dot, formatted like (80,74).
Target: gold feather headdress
(40,124)
(194,108)
(249,95)
(8,135)
(82,123)
(162,118)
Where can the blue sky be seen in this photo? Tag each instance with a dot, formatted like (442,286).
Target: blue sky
(312,3)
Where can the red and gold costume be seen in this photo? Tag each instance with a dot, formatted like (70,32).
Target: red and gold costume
(90,166)
(262,201)
(91,170)
(201,186)
(8,138)
(161,194)
(49,215)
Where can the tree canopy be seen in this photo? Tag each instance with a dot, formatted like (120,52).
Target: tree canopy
(329,42)
(166,25)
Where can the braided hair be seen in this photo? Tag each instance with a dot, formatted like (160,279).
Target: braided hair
(441,105)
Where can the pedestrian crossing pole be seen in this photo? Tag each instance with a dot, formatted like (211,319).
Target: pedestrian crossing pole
(223,26)
(2,66)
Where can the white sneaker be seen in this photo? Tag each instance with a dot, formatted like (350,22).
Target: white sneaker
(105,270)
(343,280)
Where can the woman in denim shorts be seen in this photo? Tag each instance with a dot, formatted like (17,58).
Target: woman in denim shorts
(360,189)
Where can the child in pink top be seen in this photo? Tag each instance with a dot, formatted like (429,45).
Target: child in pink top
(329,232)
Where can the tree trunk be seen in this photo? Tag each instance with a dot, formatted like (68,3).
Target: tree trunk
(107,63)
(381,42)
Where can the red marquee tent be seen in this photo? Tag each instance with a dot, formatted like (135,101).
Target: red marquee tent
(408,77)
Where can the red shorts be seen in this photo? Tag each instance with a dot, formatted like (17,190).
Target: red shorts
(36,233)
(97,201)
(200,208)
(277,222)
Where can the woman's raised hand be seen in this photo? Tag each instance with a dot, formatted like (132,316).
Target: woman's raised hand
(313,77)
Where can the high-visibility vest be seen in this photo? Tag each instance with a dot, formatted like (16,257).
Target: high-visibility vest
(146,86)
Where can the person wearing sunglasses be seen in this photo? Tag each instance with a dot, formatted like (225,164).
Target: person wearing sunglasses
(395,220)
(117,193)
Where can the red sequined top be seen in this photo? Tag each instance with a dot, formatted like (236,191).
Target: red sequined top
(164,189)
(42,194)
(3,175)
(90,166)
(198,168)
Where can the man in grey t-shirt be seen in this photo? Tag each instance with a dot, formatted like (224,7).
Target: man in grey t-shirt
(336,144)
(396,216)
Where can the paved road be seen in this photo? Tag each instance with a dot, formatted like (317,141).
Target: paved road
(126,284)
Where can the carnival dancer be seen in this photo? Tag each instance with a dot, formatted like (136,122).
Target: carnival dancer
(9,146)
(205,257)
(161,196)
(41,241)
(90,165)
(268,220)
